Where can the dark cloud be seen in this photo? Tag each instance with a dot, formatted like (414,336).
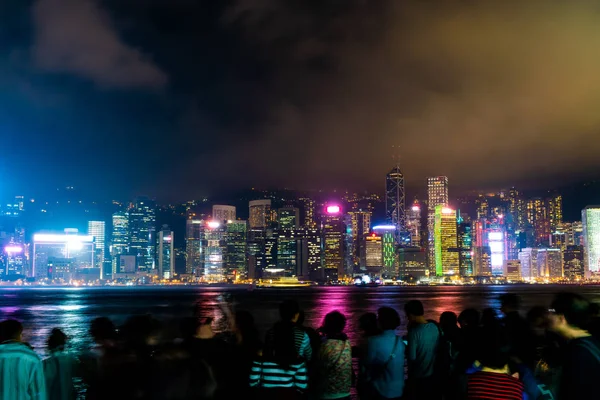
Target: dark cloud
(313,93)
(77,37)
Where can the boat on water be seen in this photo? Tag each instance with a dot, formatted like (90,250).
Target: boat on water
(283,282)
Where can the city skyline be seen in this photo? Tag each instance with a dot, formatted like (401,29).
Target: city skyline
(505,234)
(305,107)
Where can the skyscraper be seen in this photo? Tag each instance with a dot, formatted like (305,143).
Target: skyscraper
(395,199)
(260,214)
(97,229)
(142,230)
(288,218)
(590,218)
(314,254)
(193,231)
(235,256)
(166,253)
(374,254)
(388,244)
(120,239)
(360,223)
(413,224)
(307,212)
(212,252)
(529,266)
(549,263)
(437,195)
(465,246)
(446,242)
(333,240)
(573,263)
(555,213)
(223,213)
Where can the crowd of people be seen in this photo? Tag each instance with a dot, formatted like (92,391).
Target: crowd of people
(548,353)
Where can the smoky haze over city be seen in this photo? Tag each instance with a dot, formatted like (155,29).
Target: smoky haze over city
(181,99)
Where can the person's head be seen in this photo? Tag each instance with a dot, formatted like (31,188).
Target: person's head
(102,330)
(509,302)
(388,318)
(334,323)
(489,317)
(538,318)
(493,356)
(570,315)
(448,320)
(289,311)
(414,310)
(11,329)
(141,330)
(57,340)
(469,318)
(367,323)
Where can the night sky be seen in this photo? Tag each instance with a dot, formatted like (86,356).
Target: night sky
(182,98)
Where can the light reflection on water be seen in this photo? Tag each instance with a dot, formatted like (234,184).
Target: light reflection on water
(73,309)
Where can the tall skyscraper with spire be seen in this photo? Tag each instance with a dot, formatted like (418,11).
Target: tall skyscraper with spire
(437,195)
(395,203)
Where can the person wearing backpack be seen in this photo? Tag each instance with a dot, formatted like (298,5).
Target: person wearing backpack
(384,360)
(334,360)
(569,317)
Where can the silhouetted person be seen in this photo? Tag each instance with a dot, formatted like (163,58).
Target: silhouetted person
(570,316)
(451,332)
(385,359)
(423,344)
(201,343)
(281,372)
(519,337)
(289,311)
(334,360)
(368,327)
(59,368)
(494,381)
(96,364)
(21,370)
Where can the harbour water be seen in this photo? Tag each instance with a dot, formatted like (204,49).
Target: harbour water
(72,309)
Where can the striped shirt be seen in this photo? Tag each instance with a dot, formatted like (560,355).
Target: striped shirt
(266,374)
(301,340)
(491,385)
(21,373)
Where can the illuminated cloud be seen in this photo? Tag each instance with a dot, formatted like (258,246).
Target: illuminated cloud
(485,92)
(77,37)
